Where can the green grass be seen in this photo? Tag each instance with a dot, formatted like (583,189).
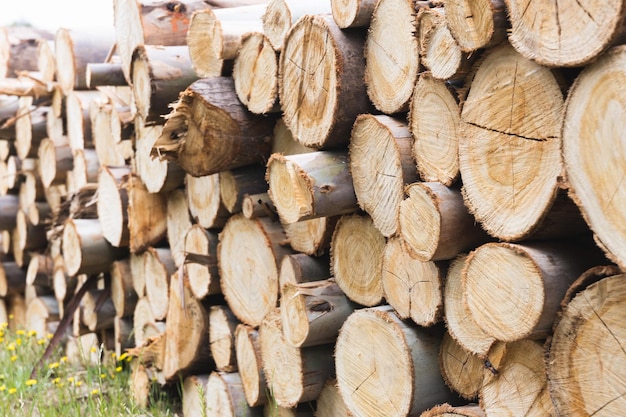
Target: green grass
(86,388)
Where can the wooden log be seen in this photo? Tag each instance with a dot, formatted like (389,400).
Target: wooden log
(27,236)
(284,142)
(18,49)
(255,73)
(565,40)
(249,361)
(412,287)
(381,164)
(312,313)
(222,325)
(86,168)
(258,205)
(435,224)
(311,185)
(530,279)
(30,127)
(357,251)
(200,249)
(145,326)
(157,175)
(302,410)
(434,119)
(158,75)
(74,49)
(62,285)
(391,61)
(25,85)
(311,237)
(225,398)
(112,205)
(109,130)
(477,24)
(77,105)
(159,267)
(205,203)
(299,268)
(12,278)
(186,333)
(511,191)
(145,230)
(104,74)
(42,314)
(236,183)
(40,269)
(329,403)
(409,359)
(137,270)
(123,294)
(352,13)
(123,333)
(9,206)
(98,311)
(214,36)
(210,130)
(322,92)
(446,410)
(281,15)
(193,395)
(46,64)
(586,343)
(501,393)
(249,253)
(178,224)
(461,370)
(594,170)
(55,161)
(83,350)
(294,374)
(85,251)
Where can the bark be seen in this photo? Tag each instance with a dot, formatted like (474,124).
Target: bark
(250,365)
(258,205)
(588,340)
(311,237)
(9,206)
(104,74)
(594,171)
(255,73)
(225,398)
(157,175)
(27,236)
(311,185)
(381,164)
(13,279)
(461,370)
(249,253)
(321,88)
(391,58)
(159,267)
(178,224)
(477,24)
(210,130)
(357,252)
(147,216)
(123,294)
(205,202)
(113,205)
(222,325)
(300,268)
(200,249)
(281,15)
(352,13)
(329,403)
(236,183)
(434,119)
(403,353)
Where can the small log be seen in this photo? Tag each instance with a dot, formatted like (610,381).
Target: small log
(85,251)
(352,13)
(62,285)
(329,403)
(381,164)
(502,394)
(159,267)
(98,311)
(250,365)
(312,313)
(12,278)
(412,287)
(446,410)
(251,291)
(77,106)
(55,161)
(27,236)
(529,279)
(357,252)
(200,249)
(294,374)
(408,356)
(322,93)
(16,308)
(9,206)
(40,269)
(587,341)
(462,371)
(392,61)
(311,185)
(281,15)
(109,129)
(477,24)
(311,237)
(594,171)
(434,119)
(222,325)
(435,224)
(123,334)
(258,205)
(205,202)
(193,395)
(210,130)
(74,49)
(112,205)
(18,49)
(123,294)
(255,73)
(138,273)
(236,183)
(30,127)
(42,314)
(157,175)
(145,230)
(299,268)
(158,75)
(25,85)
(178,224)
(215,36)
(86,168)
(104,74)
(225,398)
(144,324)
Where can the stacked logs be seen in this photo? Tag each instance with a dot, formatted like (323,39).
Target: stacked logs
(389,208)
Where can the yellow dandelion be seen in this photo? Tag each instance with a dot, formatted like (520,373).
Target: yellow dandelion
(56,380)
(103,376)
(4,324)
(11,346)
(128,359)
(1,339)
(32,333)
(3,387)
(93,349)
(118,369)
(41,342)
(12,390)
(79,383)
(13,358)
(123,356)
(2,377)
(31,382)
(49,335)
(20,332)
(18,341)
(63,359)
(112,376)
(70,379)
(95,392)
(53,365)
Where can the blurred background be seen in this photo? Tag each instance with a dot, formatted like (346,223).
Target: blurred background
(53,14)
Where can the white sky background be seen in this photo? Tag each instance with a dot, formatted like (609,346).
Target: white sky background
(53,14)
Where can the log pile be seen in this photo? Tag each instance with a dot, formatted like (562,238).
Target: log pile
(352,208)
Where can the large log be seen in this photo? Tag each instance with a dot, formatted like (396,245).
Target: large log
(210,130)
(281,15)
(321,86)
(381,164)
(476,24)
(593,152)
(387,367)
